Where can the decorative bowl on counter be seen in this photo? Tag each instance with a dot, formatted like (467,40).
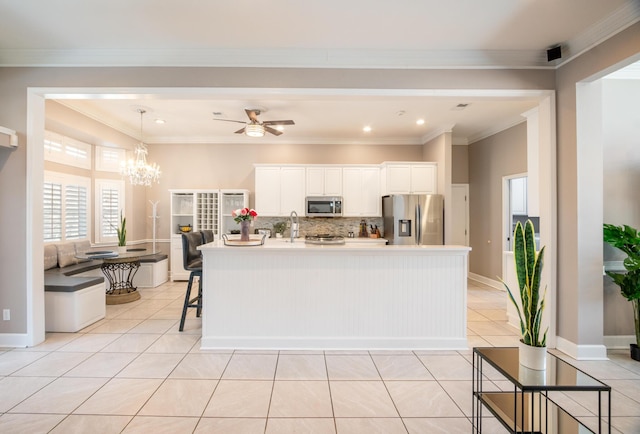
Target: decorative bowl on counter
(184,228)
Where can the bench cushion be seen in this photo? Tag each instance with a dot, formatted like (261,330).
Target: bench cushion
(66,254)
(154,258)
(50,256)
(62,283)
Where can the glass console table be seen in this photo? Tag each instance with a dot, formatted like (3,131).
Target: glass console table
(528,407)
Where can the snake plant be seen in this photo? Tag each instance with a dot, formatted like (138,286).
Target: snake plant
(529,269)
(122,231)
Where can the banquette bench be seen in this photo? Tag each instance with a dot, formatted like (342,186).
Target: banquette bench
(75,288)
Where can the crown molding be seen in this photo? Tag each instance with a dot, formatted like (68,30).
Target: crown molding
(614,23)
(495,130)
(281,58)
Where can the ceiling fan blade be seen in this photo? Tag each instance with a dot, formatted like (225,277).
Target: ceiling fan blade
(240,131)
(272,130)
(253,115)
(287,122)
(229,120)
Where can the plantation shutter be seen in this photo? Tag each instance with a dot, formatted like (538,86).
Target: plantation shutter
(75,215)
(110,204)
(52,212)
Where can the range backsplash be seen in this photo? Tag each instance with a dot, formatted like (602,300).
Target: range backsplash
(319,225)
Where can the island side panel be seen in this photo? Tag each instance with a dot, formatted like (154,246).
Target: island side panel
(260,298)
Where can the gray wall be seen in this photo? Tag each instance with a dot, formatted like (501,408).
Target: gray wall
(579,203)
(460,164)
(490,159)
(621,204)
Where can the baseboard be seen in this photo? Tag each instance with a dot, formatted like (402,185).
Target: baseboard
(13,340)
(581,352)
(619,342)
(486,281)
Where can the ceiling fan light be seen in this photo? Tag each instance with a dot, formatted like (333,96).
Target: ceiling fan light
(254,130)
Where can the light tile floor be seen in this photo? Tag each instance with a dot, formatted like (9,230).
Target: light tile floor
(133,372)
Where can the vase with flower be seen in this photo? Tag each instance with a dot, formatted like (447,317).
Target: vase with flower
(244,217)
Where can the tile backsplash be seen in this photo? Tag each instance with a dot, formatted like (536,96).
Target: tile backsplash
(319,225)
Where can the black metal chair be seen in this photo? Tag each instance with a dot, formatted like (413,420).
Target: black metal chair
(192,261)
(207,236)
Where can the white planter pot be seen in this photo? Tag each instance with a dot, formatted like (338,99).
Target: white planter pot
(533,357)
(532,377)
(122,249)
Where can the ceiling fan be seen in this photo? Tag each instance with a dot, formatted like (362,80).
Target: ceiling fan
(256,128)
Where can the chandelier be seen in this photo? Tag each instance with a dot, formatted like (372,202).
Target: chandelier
(139,171)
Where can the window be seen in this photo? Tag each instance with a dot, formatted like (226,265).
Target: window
(65,150)
(108,159)
(109,204)
(65,207)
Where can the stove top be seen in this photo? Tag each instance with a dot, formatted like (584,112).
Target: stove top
(324,239)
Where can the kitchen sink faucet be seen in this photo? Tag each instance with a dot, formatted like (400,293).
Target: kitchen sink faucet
(294,229)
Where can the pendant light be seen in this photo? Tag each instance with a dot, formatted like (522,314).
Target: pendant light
(139,171)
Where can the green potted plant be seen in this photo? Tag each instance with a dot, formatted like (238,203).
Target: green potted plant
(529,264)
(627,239)
(279,228)
(121,230)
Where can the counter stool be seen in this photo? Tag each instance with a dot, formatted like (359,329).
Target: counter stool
(192,261)
(207,236)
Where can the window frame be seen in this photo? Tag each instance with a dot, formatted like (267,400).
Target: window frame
(66,180)
(100,186)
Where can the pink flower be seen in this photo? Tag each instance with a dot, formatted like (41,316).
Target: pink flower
(244,214)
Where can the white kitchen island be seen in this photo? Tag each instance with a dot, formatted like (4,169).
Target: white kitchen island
(285,295)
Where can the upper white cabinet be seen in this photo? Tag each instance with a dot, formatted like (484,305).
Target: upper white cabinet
(279,190)
(324,181)
(361,192)
(409,178)
(519,196)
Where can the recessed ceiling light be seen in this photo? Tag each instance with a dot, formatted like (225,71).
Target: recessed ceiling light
(420,122)
(160,121)
(367,129)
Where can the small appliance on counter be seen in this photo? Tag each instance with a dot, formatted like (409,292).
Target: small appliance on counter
(413,219)
(363,229)
(266,232)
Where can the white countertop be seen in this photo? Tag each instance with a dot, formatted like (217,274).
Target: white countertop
(369,246)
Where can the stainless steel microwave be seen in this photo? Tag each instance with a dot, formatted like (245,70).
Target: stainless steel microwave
(323,206)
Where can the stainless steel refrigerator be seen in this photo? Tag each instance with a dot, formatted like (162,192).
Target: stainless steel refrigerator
(413,219)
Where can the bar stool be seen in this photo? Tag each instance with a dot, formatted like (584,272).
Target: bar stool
(192,261)
(207,236)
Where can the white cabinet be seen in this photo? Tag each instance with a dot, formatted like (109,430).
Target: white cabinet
(279,190)
(361,192)
(409,178)
(200,209)
(324,181)
(195,208)
(519,196)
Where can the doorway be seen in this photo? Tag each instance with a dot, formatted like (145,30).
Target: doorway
(460,214)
